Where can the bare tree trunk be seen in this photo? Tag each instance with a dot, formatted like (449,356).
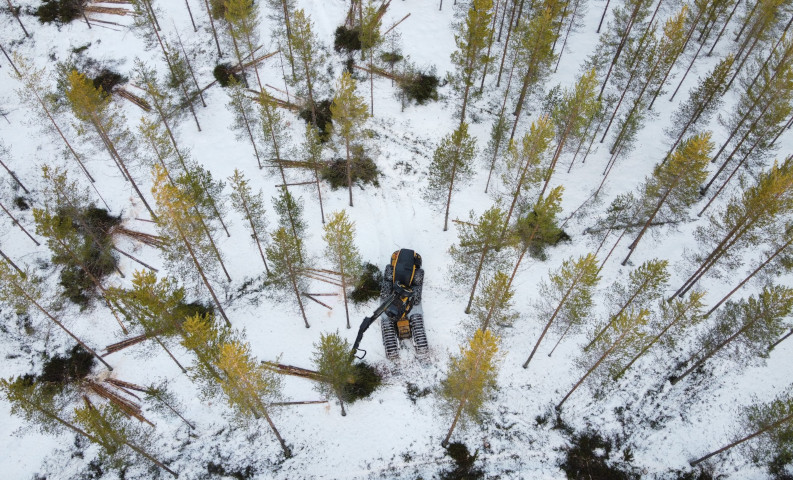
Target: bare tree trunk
(457,414)
(212,25)
(16,222)
(13,175)
(15,12)
(203,276)
(192,20)
(738,442)
(11,262)
(605,9)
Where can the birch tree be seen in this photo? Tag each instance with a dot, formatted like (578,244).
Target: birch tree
(340,248)
(470,380)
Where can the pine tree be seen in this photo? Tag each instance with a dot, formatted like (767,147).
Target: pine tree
(273,133)
(479,249)
(22,292)
(91,106)
(704,100)
(572,115)
(39,405)
(34,94)
(674,185)
(644,287)
(745,221)
(290,218)
(747,326)
(164,401)
(287,266)
(451,165)
(242,17)
(525,165)
(187,250)
(308,59)
(349,114)
(470,57)
(762,21)
(204,339)
(535,49)
(246,121)
(280,15)
(152,305)
(312,156)
(331,359)
(247,384)
(492,308)
(113,431)
(627,331)
(470,379)
(671,324)
(340,248)
(570,289)
(775,419)
(251,207)
(537,226)
(371,38)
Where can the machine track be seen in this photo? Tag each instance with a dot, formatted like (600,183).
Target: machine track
(390,341)
(419,335)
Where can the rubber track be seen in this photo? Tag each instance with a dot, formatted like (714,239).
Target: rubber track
(390,341)
(419,335)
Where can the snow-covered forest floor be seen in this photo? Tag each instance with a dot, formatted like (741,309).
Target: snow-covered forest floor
(656,427)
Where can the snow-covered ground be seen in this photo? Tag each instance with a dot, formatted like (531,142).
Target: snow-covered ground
(387,435)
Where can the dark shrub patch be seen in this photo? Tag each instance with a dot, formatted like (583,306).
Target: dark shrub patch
(95,253)
(420,87)
(219,470)
(59,11)
(324,118)
(108,80)
(224,74)
(391,57)
(368,286)
(63,370)
(464,463)
(21,203)
(347,39)
(414,392)
(698,474)
(363,170)
(365,381)
(587,458)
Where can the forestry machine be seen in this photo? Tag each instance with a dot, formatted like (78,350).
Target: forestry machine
(400,294)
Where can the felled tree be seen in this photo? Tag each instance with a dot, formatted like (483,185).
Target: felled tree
(570,289)
(349,114)
(479,249)
(470,380)
(116,434)
(451,165)
(340,249)
(251,207)
(287,266)
(331,359)
(747,326)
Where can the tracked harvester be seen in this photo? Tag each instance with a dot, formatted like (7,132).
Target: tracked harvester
(400,309)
